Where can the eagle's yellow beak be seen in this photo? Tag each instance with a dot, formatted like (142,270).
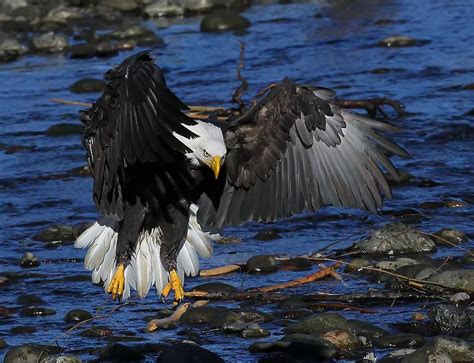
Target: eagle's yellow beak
(216,165)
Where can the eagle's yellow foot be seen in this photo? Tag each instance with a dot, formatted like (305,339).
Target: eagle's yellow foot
(175,285)
(118,283)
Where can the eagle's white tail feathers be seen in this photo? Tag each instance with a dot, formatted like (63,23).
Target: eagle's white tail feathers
(145,268)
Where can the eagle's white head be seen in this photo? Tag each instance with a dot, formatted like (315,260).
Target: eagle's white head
(208,148)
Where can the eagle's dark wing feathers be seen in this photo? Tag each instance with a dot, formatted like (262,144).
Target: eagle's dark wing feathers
(295,151)
(132,122)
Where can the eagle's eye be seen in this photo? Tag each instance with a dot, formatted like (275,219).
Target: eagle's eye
(206,154)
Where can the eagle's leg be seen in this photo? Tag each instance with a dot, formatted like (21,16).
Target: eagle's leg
(117,284)
(176,285)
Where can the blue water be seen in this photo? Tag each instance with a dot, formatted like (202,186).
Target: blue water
(331,44)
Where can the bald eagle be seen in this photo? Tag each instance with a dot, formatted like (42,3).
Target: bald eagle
(163,180)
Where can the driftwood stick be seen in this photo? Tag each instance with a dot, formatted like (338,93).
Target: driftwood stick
(170,320)
(72,103)
(219,270)
(237,95)
(318,275)
(373,105)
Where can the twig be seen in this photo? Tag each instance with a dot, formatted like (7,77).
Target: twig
(372,105)
(219,270)
(237,95)
(318,275)
(73,103)
(170,320)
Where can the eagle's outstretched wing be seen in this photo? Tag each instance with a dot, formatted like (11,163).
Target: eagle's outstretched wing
(294,151)
(132,122)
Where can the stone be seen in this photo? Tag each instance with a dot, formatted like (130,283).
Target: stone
(260,264)
(141,34)
(215,287)
(29,260)
(57,233)
(449,236)
(216,316)
(224,21)
(189,353)
(77,315)
(268,347)
(83,50)
(96,332)
(397,41)
(392,265)
(29,300)
(49,43)
(29,353)
(442,349)
(395,239)
(228,240)
(342,339)
(403,340)
(357,264)
(11,49)
(122,5)
(462,279)
(366,329)
(163,8)
(36,311)
(303,346)
(460,299)
(120,352)
(267,235)
(448,319)
(62,359)
(3,344)
(64,129)
(23,329)
(87,85)
(318,323)
(255,333)
(296,264)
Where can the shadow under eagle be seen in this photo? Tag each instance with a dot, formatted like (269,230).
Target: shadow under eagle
(161,178)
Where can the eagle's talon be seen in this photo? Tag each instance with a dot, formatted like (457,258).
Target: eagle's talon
(175,285)
(117,284)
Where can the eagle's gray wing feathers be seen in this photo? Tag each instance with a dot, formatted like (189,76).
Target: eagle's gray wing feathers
(132,122)
(295,151)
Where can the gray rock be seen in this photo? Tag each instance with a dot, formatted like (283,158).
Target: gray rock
(237,328)
(83,50)
(267,235)
(460,299)
(189,353)
(449,236)
(216,316)
(342,339)
(303,346)
(36,311)
(96,332)
(255,333)
(163,8)
(64,129)
(11,49)
(366,329)
(87,85)
(395,239)
(268,347)
(447,319)
(22,329)
(29,353)
(196,6)
(62,359)
(456,278)
(77,315)
(216,287)
(60,232)
(224,21)
(122,5)
(260,264)
(49,43)
(120,352)
(141,34)
(62,15)
(29,260)
(14,4)
(444,349)
(29,300)
(392,265)
(357,264)
(318,323)
(404,340)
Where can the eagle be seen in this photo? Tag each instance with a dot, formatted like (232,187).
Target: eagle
(165,182)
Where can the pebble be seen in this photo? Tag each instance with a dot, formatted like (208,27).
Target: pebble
(267,235)
(163,8)
(449,235)
(77,315)
(397,41)
(87,85)
(224,21)
(216,287)
(460,299)
(64,129)
(142,35)
(96,332)
(395,239)
(260,264)
(29,260)
(36,311)
(342,339)
(29,353)
(228,240)
(23,329)
(216,316)
(62,232)
(366,329)
(120,352)
(49,43)
(448,319)
(403,340)
(11,49)
(318,323)
(455,278)
(62,359)
(122,5)
(189,353)
(255,333)
(29,300)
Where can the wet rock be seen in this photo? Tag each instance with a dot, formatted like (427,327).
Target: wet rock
(216,287)
(122,5)
(419,271)
(318,323)
(188,352)
(3,344)
(293,313)
(11,49)
(304,346)
(456,278)
(357,264)
(296,264)
(431,205)
(64,130)
(394,239)
(62,15)
(81,171)
(77,315)
(449,235)
(460,299)
(260,264)
(255,333)
(4,281)
(163,8)
(392,265)
(442,347)
(62,359)
(49,43)
(142,35)
(88,85)
(216,316)
(36,311)
(246,330)
(83,50)
(29,300)
(455,204)
(404,340)
(342,339)
(29,353)
(228,240)
(29,260)
(397,41)
(278,358)
(267,235)
(57,233)
(268,347)
(403,178)
(96,332)
(428,183)
(120,352)
(366,329)
(24,329)
(224,21)
(447,319)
